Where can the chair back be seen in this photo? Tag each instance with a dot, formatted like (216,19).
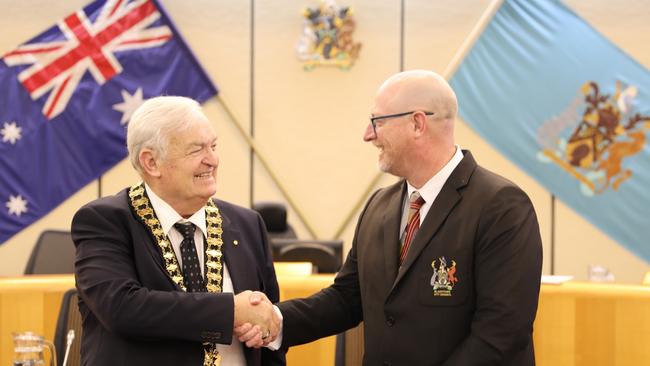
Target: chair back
(69,318)
(325,255)
(274,215)
(54,253)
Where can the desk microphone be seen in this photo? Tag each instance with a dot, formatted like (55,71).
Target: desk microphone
(69,340)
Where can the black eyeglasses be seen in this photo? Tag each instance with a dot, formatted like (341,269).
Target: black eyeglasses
(373,120)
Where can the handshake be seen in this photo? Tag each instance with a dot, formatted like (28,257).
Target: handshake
(256,323)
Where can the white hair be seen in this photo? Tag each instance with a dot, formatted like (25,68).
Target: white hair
(155,121)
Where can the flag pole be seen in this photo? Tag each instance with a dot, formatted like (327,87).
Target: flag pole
(251,143)
(357,205)
(552,234)
(451,68)
(471,38)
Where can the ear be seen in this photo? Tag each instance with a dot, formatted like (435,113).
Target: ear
(149,163)
(419,123)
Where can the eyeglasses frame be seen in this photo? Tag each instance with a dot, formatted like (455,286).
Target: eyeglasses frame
(373,120)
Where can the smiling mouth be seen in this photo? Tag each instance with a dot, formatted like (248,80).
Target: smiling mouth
(204,175)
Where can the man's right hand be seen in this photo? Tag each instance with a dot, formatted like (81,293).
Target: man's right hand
(256,323)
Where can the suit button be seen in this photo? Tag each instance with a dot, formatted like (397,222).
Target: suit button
(390,321)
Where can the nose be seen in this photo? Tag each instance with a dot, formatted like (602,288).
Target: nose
(211,158)
(369,134)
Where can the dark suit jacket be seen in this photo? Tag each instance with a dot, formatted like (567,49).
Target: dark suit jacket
(482,222)
(133,314)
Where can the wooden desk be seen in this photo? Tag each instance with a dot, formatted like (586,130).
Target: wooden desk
(322,351)
(29,303)
(578,324)
(32,303)
(589,324)
(582,324)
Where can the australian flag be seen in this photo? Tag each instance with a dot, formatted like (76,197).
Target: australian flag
(67,95)
(569,107)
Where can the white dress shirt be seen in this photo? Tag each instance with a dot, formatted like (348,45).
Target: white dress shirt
(429,191)
(232,354)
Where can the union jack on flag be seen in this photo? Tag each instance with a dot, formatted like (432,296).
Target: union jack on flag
(58,66)
(66,94)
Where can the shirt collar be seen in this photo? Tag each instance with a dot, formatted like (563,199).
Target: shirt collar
(168,216)
(429,191)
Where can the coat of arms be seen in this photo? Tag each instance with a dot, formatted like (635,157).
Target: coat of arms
(326,38)
(592,147)
(444,278)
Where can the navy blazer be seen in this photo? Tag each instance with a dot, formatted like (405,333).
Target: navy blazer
(481,231)
(134,314)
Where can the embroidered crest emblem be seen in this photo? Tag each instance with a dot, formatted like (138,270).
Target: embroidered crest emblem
(326,38)
(444,278)
(593,147)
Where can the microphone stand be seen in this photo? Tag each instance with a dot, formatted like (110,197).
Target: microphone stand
(69,340)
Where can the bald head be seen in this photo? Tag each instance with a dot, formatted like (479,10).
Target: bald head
(412,125)
(418,90)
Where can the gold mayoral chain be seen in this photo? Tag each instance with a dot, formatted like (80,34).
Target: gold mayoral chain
(142,207)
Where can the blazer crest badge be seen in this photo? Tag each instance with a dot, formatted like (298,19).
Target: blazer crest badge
(444,278)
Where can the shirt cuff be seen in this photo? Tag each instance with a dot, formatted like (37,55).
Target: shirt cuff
(277,343)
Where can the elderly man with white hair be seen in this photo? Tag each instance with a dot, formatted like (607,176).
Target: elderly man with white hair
(158,264)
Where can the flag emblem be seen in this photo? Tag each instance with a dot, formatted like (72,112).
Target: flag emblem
(609,130)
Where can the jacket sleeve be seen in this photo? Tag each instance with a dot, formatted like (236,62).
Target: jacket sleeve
(331,310)
(508,264)
(107,274)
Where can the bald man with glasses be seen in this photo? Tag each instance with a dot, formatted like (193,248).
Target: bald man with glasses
(445,264)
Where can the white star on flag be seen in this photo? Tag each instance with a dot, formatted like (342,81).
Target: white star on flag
(129,105)
(11,132)
(16,205)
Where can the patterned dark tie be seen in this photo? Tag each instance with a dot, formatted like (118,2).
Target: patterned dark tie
(191,267)
(413,223)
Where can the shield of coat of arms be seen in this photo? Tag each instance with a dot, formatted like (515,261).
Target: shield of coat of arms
(326,38)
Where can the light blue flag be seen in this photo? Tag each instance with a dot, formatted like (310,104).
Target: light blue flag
(568,107)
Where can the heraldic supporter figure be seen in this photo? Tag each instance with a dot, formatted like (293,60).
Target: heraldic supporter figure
(449,277)
(164,272)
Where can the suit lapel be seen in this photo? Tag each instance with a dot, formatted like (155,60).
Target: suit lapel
(235,261)
(390,224)
(443,205)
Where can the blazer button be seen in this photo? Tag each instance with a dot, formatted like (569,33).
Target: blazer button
(390,321)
